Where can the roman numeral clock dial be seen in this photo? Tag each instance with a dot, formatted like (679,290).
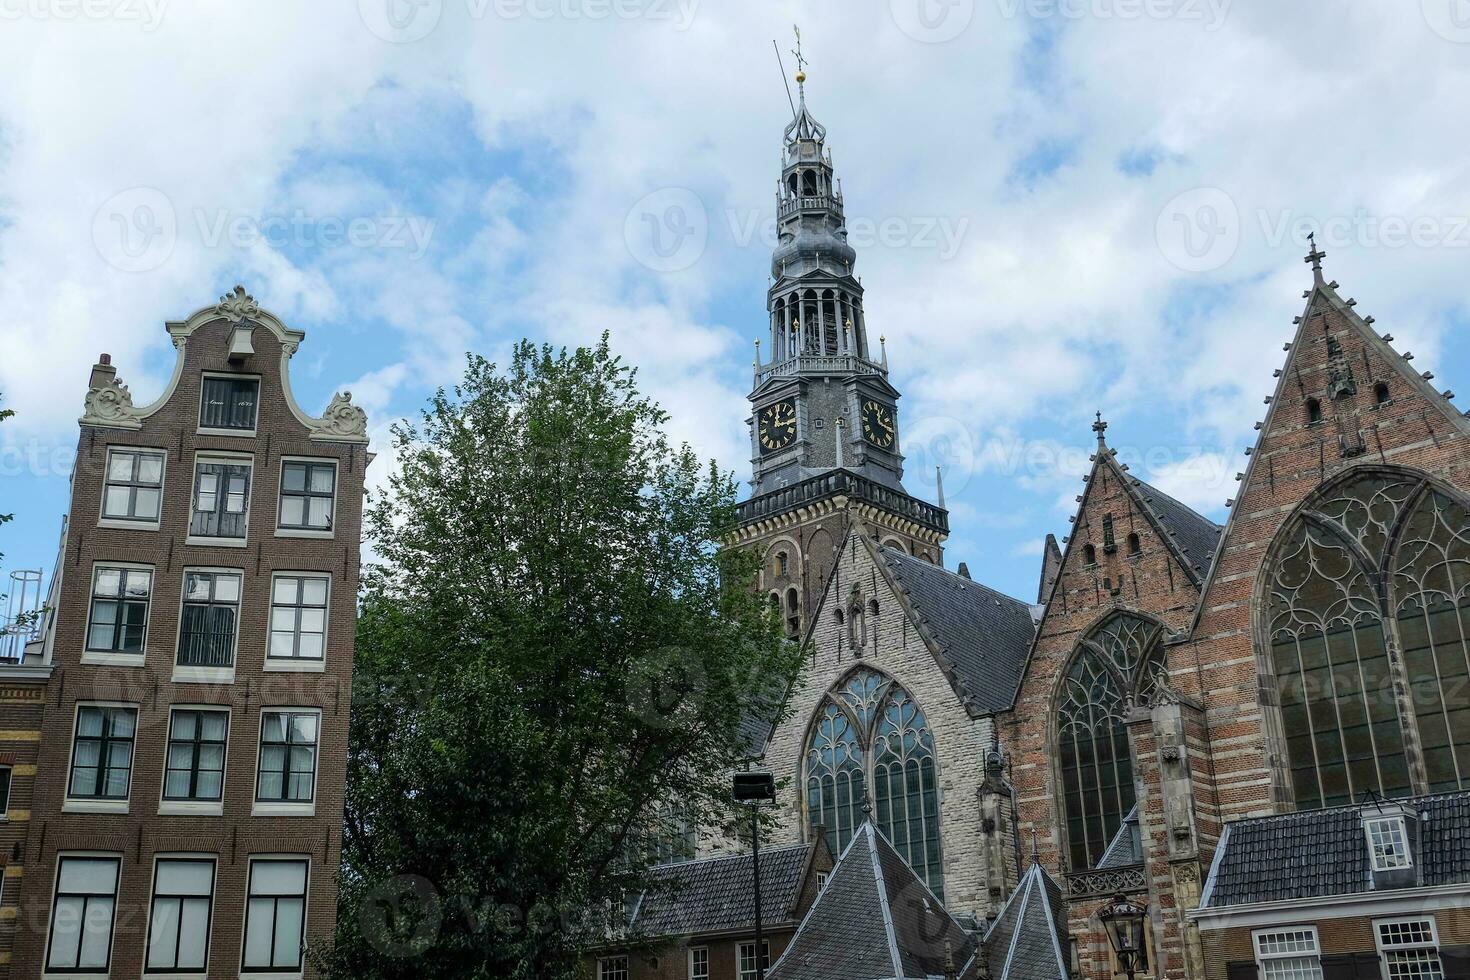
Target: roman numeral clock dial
(878,425)
(776,426)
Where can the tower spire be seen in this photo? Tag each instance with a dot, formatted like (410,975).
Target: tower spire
(1314,258)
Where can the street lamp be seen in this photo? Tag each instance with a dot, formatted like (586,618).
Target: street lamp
(1124,922)
(753,789)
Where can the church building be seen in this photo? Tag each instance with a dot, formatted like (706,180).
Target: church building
(1258,734)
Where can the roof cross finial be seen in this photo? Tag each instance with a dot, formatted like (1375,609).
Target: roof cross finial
(801,62)
(1100,427)
(1314,257)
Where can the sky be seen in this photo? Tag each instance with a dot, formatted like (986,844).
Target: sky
(1060,207)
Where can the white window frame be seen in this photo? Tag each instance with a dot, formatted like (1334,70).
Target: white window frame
(305,915)
(739,951)
(213,861)
(603,970)
(61,859)
(204,430)
(193,807)
(306,532)
(207,457)
(87,804)
(693,974)
(1265,958)
(130,523)
(118,658)
(286,808)
(1387,951)
(188,674)
(9,771)
(307,665)
(1397,826)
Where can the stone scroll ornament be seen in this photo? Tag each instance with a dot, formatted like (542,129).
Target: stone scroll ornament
(342,419)
(111,404)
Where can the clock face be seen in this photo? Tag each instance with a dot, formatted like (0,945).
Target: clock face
(878,425)
(776,426)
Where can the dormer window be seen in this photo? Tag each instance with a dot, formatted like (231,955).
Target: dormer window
(1388,842)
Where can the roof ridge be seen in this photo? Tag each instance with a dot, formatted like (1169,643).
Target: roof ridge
(964,583)
(1363,804)
(716,858)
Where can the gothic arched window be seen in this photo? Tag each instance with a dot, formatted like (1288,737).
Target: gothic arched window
(1380,561)
(1119,664)
(871,746)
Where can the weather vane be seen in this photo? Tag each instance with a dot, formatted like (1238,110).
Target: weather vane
(801,61)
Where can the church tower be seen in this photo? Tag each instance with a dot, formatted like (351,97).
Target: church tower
(824,426)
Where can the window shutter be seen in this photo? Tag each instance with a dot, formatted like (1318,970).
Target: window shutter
(1456,962)
(1242,970)
(1351,966)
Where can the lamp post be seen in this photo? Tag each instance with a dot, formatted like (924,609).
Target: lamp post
(753,789)
(1124,921)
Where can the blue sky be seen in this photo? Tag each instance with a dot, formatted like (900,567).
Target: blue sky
(1060,206)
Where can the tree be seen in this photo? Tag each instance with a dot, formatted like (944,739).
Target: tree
(552,647)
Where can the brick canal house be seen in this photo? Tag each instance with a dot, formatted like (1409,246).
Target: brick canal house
(185,810)
(1174,679)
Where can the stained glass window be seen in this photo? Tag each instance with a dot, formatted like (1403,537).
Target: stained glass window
(1381,561)
(1121,662)
(871,746)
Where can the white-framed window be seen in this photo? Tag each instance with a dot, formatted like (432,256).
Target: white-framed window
(132,489)
(229,404)
(117,621)
(82,914)
(1388,842)
(275,915)
(195,767)
(1288,954)
(308,496)
(180,915)
(612,968)
(822,879)
(699,963)
(209,618)
(5,777)
(745,967)
(286,772)
(102,753)
(1409,949)
(220,509)
(298,616)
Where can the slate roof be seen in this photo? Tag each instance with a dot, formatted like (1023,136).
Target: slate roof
(1027,938)
(1318,853)
(984,634)
(1195,536)
(715,894)
(1126,847)
(874,920)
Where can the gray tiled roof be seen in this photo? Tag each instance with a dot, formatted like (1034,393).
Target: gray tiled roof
(874,919)
(1126,848)
(715,894)
(984,634)
(1194,535)
(1027,940)
(1317,853)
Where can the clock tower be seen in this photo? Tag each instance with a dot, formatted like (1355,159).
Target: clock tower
(824,426)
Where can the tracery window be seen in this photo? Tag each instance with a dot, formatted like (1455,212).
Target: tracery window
(1118,664)
(1381,561)
(871,747)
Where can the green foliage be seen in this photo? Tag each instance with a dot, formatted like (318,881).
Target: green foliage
(548,650)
